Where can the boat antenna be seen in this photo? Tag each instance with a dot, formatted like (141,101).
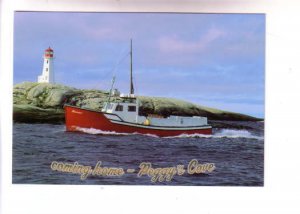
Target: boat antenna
(110,91)
(131,82)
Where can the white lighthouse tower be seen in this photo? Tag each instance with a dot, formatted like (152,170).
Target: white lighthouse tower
(47,74)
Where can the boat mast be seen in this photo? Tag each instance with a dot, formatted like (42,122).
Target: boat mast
(131,82)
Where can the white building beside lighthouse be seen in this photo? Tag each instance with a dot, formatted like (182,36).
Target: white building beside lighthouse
(47,73)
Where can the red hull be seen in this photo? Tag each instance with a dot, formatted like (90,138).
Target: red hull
(83,118)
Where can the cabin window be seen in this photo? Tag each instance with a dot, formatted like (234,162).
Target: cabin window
(119,108)
(132,108)
(109,106)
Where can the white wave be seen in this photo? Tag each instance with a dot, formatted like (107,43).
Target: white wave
(191,136)
(231,133)
(223,133)
(98,131)
(150,135)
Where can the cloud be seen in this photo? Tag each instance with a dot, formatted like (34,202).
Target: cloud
(173,43)
(99,33)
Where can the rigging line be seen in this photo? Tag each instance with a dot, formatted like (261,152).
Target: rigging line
(121,59)
(112,71)
(119,62)
(104,77)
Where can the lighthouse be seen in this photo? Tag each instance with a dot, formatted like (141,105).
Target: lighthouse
(47,73)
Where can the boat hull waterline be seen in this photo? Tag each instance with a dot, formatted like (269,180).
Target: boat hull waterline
(77,118)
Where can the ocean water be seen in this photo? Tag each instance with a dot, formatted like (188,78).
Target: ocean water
(237,156)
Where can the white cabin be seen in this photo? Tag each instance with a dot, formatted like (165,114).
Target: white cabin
(128,111)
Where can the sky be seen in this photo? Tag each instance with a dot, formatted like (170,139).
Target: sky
(214,60)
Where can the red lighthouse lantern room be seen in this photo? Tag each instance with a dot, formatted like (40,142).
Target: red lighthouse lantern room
(48,53)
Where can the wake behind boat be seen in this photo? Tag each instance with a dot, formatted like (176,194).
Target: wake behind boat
(123,117)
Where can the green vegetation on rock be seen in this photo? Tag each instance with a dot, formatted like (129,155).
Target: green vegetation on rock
(43,103)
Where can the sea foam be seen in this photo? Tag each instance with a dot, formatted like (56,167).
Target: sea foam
(223,133)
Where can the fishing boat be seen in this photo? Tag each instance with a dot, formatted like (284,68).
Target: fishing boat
(122,117)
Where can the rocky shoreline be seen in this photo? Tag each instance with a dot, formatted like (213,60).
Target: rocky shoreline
(43,103)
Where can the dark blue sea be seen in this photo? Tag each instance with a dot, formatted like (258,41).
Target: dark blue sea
(236,150)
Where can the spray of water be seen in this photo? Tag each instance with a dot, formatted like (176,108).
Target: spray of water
(100,132)
(223,133)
